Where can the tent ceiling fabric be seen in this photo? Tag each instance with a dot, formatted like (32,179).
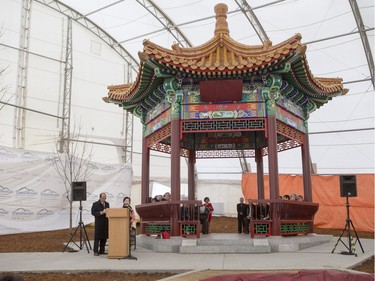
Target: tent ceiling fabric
(339,35)
(130,22)
(328,28)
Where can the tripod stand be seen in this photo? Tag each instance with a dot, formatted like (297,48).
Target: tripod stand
(351,248)
(83,237)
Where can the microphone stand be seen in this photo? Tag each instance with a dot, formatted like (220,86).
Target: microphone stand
(130,257)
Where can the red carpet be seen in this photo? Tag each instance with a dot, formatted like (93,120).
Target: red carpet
(303,275)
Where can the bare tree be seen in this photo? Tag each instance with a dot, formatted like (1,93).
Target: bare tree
(72,165)
(3,89)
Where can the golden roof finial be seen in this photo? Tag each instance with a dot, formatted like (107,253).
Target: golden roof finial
(221,27)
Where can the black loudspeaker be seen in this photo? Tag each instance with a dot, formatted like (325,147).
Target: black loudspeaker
(348,186)
(79,191)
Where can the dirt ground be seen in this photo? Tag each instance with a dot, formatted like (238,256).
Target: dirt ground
(52,241)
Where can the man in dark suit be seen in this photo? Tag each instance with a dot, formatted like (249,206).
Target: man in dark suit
(241,216)
(98,210)
(250,214)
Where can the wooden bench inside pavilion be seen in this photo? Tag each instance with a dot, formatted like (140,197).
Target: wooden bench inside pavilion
(224,99)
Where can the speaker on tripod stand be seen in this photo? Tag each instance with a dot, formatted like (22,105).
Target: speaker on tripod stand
(348,188)
(79,194)
(79,191)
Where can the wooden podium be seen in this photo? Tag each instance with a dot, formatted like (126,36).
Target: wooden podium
(118,233)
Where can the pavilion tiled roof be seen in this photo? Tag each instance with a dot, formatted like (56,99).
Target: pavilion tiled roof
(117,91)
(224,56)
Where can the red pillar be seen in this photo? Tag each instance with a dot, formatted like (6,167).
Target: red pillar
(191,175)
(175,160)
(306,169)
(174,97)
(175,173)
(273,171)
(145,182)
(260,172)
(272,157)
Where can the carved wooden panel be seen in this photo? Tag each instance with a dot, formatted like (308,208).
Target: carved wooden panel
(159,135)
(289,132)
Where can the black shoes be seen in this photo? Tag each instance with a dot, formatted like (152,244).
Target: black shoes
(100,253)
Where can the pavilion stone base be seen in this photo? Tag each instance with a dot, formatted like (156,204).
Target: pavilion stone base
(231,243)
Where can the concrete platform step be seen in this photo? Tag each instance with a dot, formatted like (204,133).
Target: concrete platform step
(225,249)
(230,243)
(225,242)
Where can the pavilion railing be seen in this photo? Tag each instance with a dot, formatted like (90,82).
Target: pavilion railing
(268,217)
(179,218)
(281,217)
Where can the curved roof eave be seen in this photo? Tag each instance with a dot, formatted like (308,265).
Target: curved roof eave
(223,54)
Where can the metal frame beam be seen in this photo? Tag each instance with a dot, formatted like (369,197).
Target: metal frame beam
(246,168)
(128,128)
(67,95)
(166,21)
(22,75)
(132,65)
(88,24)
(103,8)
(365,43)
(195,21)
(252,18)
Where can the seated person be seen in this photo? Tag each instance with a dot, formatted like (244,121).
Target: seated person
(164,234)
(266,211)
(157,198)
(203,217)
(166,197)
(185,215)
(250,213)
(293,197)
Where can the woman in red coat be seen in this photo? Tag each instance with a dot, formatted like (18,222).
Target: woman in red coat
(210,207)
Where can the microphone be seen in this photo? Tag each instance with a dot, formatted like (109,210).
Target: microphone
(129,207)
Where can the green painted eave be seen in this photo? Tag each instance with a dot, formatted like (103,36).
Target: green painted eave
(298,78)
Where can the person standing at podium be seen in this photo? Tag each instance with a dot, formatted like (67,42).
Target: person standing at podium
(126,204)
(98,210)
(132,227)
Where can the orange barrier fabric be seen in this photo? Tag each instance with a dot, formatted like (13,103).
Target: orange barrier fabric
(326,191)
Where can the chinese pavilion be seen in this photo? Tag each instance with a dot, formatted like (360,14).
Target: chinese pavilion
(223,99)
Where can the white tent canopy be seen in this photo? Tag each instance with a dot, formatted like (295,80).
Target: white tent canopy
(106,36)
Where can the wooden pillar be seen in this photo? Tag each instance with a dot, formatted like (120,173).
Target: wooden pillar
(260,172)
(175,160)
(270,93)
(306,169)
(273,171)
(145,182)
(272,157)
(175,173)
(174,97)
(191,175)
